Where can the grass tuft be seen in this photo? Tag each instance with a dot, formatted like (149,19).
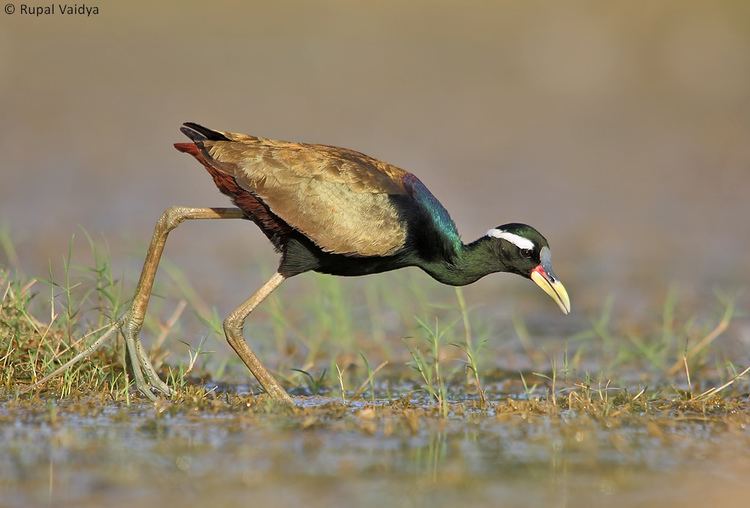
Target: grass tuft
(335,335)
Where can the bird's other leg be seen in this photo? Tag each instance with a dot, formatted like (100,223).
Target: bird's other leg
(233,330)
(170,219)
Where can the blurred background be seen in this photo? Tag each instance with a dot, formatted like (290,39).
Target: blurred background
(619,129)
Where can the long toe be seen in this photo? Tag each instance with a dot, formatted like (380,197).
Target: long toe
(161,386)
(146,391)
(156,385)
(152,378)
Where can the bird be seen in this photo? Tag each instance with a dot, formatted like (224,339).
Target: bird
(335,211)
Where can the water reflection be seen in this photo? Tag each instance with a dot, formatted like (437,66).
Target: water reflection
(81,457)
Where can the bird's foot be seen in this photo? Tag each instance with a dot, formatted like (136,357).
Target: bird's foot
(147,381)
(153,385)
(277,393)
(151,390)
(152,382)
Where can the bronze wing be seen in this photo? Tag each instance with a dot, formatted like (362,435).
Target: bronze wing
(336,197)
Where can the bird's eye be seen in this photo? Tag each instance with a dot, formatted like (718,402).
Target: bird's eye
(526,253)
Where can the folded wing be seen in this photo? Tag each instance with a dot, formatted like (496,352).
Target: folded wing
(338,198)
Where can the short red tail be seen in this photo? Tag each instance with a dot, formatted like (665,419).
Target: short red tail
(190,148)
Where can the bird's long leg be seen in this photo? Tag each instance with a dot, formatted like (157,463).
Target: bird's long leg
(170,219)
(233,329)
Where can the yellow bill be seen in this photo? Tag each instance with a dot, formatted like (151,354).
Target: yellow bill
(546,280)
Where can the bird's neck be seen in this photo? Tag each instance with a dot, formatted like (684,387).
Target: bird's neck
(471,262)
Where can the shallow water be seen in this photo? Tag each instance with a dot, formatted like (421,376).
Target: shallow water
(364,454)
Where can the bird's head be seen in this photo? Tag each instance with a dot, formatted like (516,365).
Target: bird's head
(525,251)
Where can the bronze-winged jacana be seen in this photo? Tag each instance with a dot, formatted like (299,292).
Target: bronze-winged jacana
(330,210)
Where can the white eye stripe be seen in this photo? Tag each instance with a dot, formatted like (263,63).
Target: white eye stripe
(518,241)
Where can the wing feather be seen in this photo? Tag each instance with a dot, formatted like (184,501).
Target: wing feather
(338,198)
